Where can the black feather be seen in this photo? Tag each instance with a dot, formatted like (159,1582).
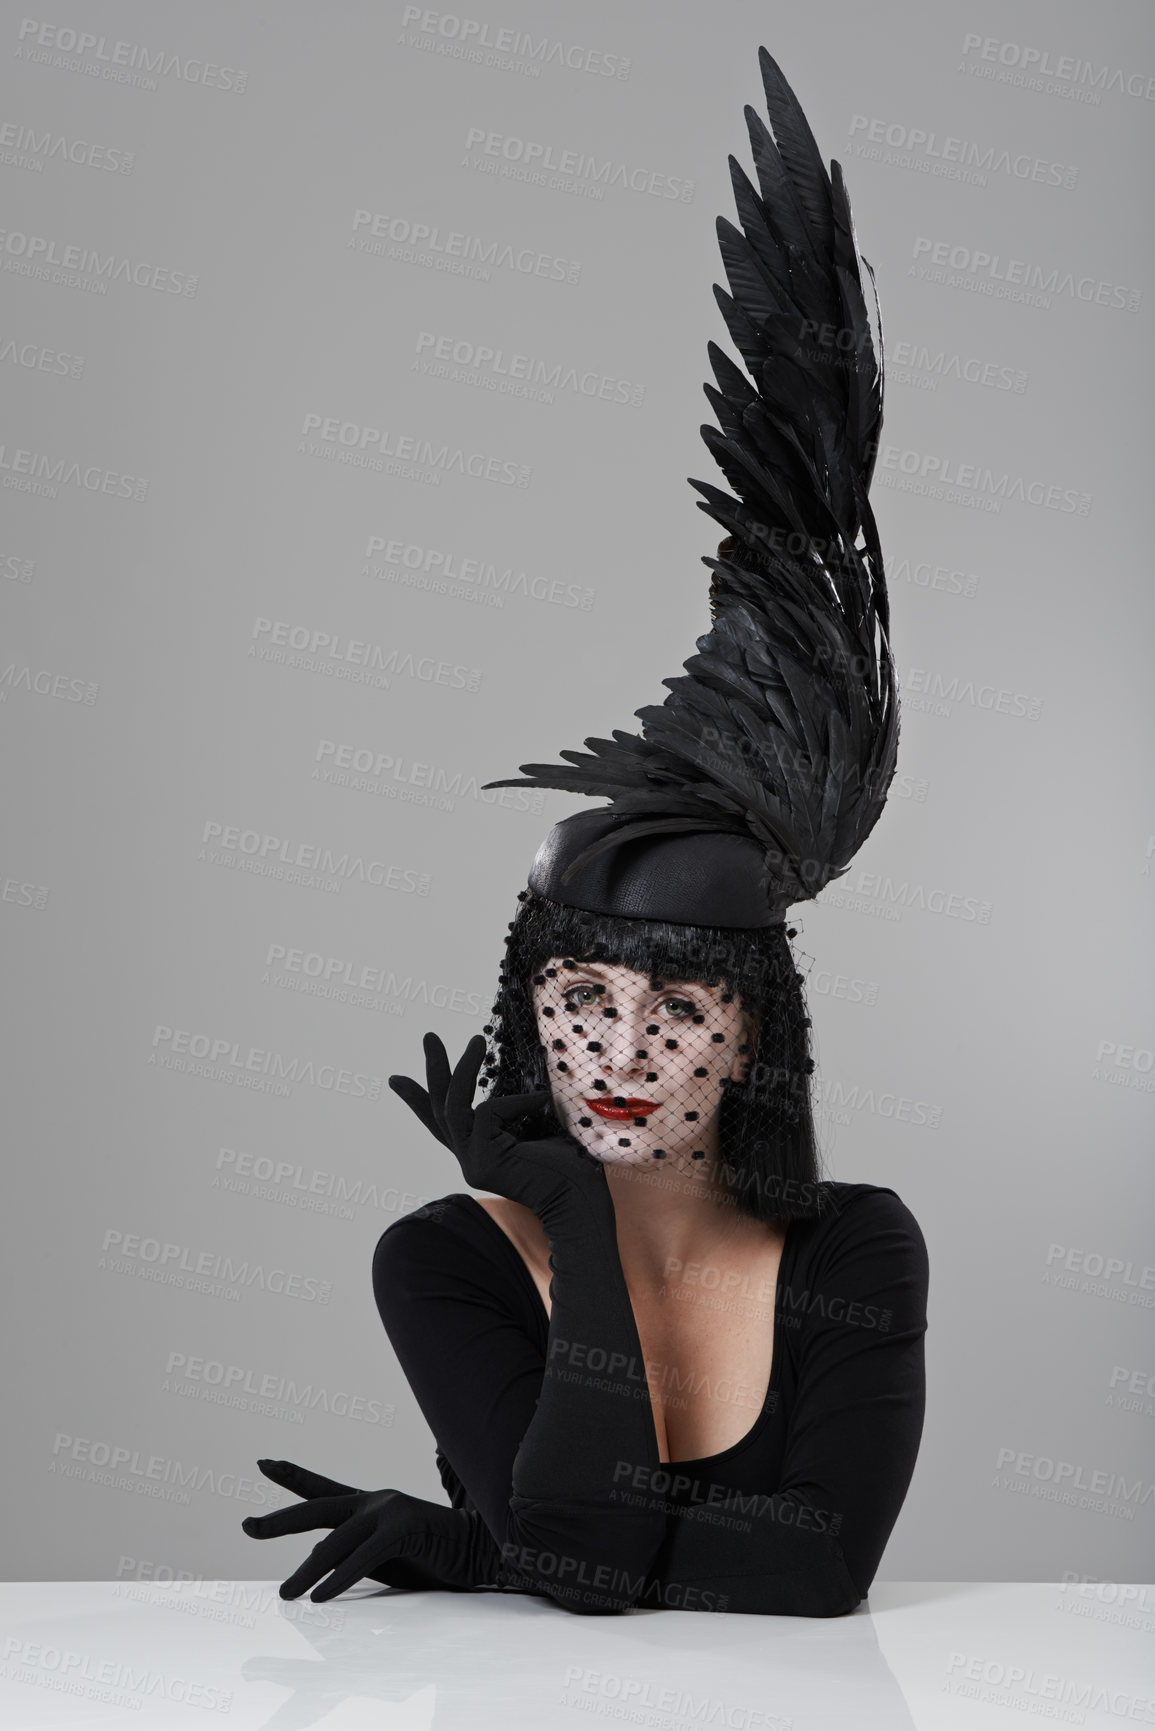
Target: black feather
(784,725)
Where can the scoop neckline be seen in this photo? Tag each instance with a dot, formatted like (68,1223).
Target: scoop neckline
(768,1401)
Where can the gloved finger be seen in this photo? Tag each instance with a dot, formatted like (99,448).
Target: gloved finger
(300,1517)
(326,1556)
(459,1098)
(417,1100)
(437,1073)
(378,1549)
(302,1482)
(513,1105)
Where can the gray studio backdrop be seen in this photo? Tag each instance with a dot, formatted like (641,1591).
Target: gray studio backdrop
(352,370)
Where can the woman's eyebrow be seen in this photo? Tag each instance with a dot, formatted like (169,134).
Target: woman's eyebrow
(666,985)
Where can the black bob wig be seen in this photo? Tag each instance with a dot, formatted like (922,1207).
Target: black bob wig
(770,1162)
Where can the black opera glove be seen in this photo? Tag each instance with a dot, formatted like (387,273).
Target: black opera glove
(385,1536)
(554,1176)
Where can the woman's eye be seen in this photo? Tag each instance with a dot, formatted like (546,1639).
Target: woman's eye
(574,999)
(682,1007)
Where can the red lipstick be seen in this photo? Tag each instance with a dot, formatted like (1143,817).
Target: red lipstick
(605,1108)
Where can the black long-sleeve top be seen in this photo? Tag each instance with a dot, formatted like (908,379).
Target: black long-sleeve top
(544,1428)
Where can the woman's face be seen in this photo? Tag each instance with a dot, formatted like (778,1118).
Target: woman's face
(636,1062)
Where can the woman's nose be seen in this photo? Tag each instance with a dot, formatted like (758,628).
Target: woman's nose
(624,1043)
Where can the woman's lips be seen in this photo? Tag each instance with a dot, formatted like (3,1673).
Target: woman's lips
(632,1108)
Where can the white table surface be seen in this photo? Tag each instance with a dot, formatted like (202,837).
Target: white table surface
(920,1654)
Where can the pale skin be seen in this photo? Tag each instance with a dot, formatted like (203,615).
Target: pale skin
(701,1273)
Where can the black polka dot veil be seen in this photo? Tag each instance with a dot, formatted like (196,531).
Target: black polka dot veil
(664,1047)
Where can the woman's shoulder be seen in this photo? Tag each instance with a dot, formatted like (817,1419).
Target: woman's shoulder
(459,1240)
(860,1200)
(842,1195)
(452,1249)
(428,1223)
(857,1218)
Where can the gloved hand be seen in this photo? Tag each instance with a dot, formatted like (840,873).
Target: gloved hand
(385,1536)
(547,1175)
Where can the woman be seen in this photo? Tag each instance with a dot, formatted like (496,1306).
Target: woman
(665,1363)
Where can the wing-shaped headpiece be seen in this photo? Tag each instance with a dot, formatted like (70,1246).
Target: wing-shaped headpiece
(783,728)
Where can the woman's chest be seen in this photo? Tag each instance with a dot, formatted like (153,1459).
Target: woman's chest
(706,1335)
(708,1361)
(707,1365)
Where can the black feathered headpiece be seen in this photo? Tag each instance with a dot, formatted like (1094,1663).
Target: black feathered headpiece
(783,730)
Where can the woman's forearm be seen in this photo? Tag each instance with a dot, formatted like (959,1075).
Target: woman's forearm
(772,1555)
(570,1534)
